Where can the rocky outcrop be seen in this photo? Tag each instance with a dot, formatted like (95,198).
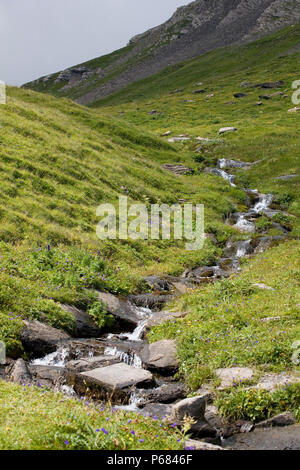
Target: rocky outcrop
(85,327)
(122,310)
(194,29)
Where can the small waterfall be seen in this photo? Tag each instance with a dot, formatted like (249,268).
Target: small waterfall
(131,359)
(243,248)
(134,402)
(244,225)
(265,200)
(226,176)
(55,359)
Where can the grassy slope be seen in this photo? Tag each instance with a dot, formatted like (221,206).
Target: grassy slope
(53,155)
(33,419)
(267,133)
(227,314)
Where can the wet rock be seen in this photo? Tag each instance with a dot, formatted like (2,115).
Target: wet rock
(158,284)
(191,444)
(90,363)
(39,339)
(20,373)
(122,310)
(114,382)
(234,375)
(167,393)
(277,438)
(224,130)
(79,348)
(47,376)
(178,169)
(202,429)
(85,326)
(153,302)
(283,419)
(191,407)
(225,163)
(160,356)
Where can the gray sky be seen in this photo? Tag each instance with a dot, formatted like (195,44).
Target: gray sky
(39,37)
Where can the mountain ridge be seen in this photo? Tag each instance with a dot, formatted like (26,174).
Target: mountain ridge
(193,30)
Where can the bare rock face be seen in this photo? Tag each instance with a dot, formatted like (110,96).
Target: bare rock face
(207,25)
(40,339)
(160,356)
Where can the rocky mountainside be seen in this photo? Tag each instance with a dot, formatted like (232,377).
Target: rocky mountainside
(199,27)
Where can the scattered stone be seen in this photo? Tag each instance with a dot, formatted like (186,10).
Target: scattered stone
(223,130)
(224,163)
(258,103)
(166,393)
(158,284)
(287,177)
(234,375)
(211,95)
(271,382)
(160,356)
(20,373)
(204,139)
(263,287)
(113,382)
(191,444)
(270,319)
(85,326)
(240,95)
(153,112)
(283,419)
(172,140)
(202,429)
(47,376)
(178,169)
(191,407)
(90,363)
(199,91)
(166,134)
(164,316)
(40,339)
(294,110)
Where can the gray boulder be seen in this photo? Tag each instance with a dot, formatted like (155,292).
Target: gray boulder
(283,419)
(20,373)
(191,407)
(161,356)
(85,326)
(122,310)
(40,339)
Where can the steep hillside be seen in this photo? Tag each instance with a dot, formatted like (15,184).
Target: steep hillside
(194,29)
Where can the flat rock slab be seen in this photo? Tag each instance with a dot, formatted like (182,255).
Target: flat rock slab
(177,169)
(224,130)
(164,316)
(90,363)
(234,375)
(160,356)
(115,382)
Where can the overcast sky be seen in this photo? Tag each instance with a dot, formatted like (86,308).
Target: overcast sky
(39,37)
